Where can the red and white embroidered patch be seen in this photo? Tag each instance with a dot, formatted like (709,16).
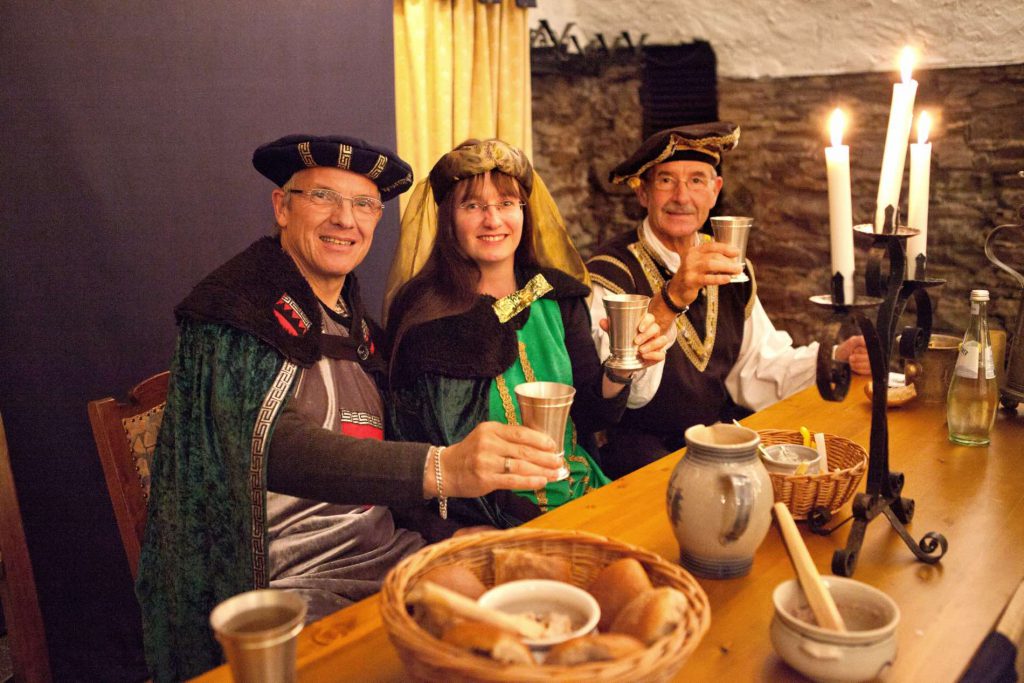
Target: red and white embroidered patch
(290,316)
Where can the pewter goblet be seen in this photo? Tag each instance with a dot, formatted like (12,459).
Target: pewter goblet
(624,314)
(734,230)
(544,406)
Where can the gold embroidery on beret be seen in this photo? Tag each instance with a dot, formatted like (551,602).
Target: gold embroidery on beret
(405,180)
(510,306)
(344,156)
(307,157)
(378,167)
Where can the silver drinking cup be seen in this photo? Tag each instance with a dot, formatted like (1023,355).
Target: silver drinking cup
(257,630)
(624,314)
(544,406)
(734,230)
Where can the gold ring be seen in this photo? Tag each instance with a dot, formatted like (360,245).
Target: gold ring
(508,465)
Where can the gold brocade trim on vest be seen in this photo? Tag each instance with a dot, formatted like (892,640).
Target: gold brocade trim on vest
(512,305)
(697,350)
(510,418)
(606,283)
(615,262)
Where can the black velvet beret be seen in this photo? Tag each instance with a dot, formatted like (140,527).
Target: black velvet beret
(698,142)
(281,159)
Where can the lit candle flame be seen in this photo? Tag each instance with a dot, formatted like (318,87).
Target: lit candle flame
(836,123)
(924,126)
(906,63)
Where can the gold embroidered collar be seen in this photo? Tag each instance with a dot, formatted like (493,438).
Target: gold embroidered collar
(512,305)
(696,349)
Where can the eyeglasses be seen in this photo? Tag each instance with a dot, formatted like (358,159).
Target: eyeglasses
(505,208)
(694,183)
(366,207)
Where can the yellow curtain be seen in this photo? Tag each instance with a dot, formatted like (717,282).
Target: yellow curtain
(462,70)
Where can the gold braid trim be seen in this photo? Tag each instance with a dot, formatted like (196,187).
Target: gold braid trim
(697,350)
(616,263)
(678,142)
(512,305)
(607,284)
(753,291)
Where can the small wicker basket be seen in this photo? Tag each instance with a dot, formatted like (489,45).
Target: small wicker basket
(847,462)
(429,659)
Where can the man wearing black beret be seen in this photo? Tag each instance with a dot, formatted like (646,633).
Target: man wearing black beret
(728,353)
(270,469)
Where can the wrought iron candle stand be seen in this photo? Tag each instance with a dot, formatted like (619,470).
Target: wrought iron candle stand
(889,293)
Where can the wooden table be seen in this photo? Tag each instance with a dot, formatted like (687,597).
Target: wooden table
(974,496)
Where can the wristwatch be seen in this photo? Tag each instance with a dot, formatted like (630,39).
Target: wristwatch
(672,305)
(617,379)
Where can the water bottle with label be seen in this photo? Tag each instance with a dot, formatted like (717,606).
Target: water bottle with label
(973,392)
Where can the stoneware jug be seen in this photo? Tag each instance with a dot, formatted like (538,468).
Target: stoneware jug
(719,501)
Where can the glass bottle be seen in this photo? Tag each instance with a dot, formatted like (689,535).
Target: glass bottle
(973,392)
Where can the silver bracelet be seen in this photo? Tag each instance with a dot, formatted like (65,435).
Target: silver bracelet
(442,500)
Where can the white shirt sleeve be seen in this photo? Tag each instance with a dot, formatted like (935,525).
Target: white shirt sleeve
(769,367)
(646,382)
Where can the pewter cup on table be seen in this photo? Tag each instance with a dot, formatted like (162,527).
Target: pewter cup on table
(624,314)
(257,630)
(544,406)
(734,230)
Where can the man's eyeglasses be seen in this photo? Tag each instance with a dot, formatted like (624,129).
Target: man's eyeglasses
(367,207)
(505,208)
(694,183)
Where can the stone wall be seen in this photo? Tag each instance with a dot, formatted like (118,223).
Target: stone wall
(585,123)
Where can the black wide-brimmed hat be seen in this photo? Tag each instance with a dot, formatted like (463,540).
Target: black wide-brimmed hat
(698,142)
(281,159)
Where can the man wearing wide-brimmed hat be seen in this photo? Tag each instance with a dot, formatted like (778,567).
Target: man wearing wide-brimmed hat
(270,470)
(728,353)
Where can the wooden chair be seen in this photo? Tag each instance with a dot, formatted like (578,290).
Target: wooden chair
(125,436)
(25,633)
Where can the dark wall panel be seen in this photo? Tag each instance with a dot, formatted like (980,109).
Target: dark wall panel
(125,176)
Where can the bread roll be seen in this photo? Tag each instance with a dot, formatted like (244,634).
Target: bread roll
(488,641)
(596,648)
(456,578)
(652,614)
(513,565)
(615,586)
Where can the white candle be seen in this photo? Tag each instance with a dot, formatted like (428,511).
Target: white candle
(840,211)
(917,210)
(897,137)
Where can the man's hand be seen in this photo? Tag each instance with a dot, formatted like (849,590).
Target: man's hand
(710,263)
(854,352)
(477,465)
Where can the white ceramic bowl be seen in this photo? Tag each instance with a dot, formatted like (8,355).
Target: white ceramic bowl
(541,596)
(774,461)
(864,652)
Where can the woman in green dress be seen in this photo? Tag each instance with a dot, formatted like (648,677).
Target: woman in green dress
(500,299)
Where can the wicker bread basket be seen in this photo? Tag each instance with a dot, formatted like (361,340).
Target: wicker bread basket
(429,659)
(847,462)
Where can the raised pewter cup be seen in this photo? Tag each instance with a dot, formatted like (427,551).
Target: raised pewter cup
(624,314)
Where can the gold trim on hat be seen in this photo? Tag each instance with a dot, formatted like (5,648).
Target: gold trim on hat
(407,180)
(344,156)
(307,157)
(378,167)
(678,143)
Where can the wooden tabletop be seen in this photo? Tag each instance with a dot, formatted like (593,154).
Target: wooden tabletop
(973,496)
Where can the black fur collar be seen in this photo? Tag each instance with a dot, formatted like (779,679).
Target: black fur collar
(474,344)
(261,292)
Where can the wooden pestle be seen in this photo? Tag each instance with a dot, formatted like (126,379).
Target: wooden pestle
(430,594)
(824,607)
